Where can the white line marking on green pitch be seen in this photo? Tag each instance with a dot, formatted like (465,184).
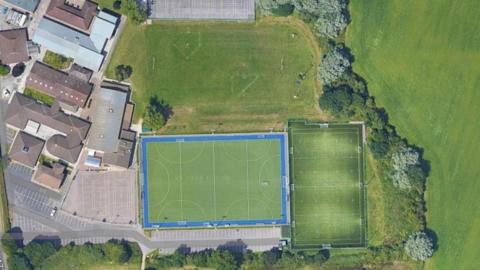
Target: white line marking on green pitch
(360,188)
(247,178)
(181,178)
(214,187)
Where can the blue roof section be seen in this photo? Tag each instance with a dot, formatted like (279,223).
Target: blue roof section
(67,34)
(69,42)
(28,5)
(102,27)
(107,17)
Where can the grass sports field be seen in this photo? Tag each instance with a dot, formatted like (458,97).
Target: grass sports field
(214,180)
(223,76)
(327,194)
(420,59)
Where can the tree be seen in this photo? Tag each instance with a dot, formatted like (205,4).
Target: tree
(136,11)
(18,69)
(116,251)
(222,260)
(19,262)
(335,64)
(376,118)
(157,113)
(336,100)
(271,257)
(419,246)
(9,245)
(37,252)
(154,117)
(379,143)
(332,18)
(403,160)
(310,9)
(123,72)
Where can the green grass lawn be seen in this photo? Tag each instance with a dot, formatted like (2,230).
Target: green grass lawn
(327,200)
(222,76)
(42,97)
(57,61)
(420,60)
(212,180)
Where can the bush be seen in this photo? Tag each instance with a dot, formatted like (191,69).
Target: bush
(335,65)
(4,69)
(117,5)
(419,246)
(123,72)
(276,7)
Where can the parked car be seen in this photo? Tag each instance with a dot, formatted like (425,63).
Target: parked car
(53,212)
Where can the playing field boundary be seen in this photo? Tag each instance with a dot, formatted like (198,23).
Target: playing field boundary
(326,242)
(284,173)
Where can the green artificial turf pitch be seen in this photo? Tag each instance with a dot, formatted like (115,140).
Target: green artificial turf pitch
(327,192)
(214,181)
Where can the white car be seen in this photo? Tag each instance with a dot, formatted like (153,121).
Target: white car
(53,212)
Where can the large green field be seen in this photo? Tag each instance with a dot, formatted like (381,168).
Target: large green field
(199,181)
(421,61)
(222,76)
(327,194)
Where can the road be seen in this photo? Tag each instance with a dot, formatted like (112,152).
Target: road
(132,233)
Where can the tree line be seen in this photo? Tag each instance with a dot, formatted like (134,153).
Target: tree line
(225,259)
(49,254)
(345,96)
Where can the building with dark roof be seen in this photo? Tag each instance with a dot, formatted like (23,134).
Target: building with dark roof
(67,88)
(75,13)
(50,176)
(24,5)
(13,46)
(109,133)
(26,149)
(107,109)
(122,157)
(64,133)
